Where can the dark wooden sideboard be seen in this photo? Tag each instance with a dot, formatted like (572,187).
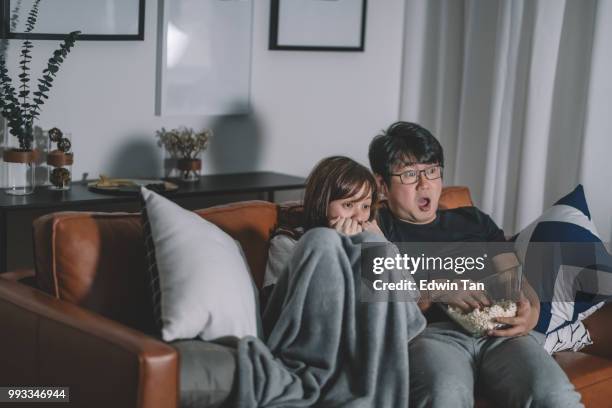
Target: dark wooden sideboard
(17,212)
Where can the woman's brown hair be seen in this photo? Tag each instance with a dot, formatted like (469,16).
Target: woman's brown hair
(335,178)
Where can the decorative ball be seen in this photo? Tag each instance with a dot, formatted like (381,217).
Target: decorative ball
(59,177)
(55,134)
(64,145)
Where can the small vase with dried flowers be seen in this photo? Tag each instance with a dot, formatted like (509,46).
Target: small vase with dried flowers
(185,145)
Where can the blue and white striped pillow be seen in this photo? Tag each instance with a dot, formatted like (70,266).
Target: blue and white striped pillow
(567,221)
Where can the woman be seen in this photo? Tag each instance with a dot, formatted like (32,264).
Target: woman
(341,194)
(325,344)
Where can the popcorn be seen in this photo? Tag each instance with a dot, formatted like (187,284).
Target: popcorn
(479,321)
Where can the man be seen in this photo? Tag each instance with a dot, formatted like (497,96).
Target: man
(509,366)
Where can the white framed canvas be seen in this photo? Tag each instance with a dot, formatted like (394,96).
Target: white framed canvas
(204,57)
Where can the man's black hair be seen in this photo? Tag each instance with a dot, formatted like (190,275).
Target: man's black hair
(403,143)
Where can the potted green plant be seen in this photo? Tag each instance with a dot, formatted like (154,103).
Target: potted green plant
(184,144)
(20,106)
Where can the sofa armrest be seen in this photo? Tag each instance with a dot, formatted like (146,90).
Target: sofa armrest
(50,342)
(18,274)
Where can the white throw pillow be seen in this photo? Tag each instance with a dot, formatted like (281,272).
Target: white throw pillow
(200,279)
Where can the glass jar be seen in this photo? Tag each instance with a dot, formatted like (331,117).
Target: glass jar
(19,163)
(59,159)
(190,169)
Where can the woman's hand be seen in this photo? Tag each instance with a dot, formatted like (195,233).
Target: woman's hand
(346,226)
(372,226)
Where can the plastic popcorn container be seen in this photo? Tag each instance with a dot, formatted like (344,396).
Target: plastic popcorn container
(503,289)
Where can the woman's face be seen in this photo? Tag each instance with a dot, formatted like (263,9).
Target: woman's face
(356,207)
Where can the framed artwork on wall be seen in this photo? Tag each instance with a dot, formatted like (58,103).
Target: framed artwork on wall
(318,25)
(96,19)
(204,57)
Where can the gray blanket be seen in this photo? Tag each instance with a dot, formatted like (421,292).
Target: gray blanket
(323,346)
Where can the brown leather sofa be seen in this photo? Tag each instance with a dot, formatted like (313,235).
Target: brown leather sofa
(85,324)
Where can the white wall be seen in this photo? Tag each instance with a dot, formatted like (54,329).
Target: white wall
(314,104)
(306,105)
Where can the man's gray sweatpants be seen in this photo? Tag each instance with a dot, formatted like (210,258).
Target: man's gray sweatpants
(446,365)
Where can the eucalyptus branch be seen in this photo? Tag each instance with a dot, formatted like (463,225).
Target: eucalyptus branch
(50,72)
(9,97)
(33,15)
(20,115)
(26,58)
(13,25)
(9,104)
(24,77)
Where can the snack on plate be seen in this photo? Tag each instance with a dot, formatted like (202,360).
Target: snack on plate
(110,182)
(479,321)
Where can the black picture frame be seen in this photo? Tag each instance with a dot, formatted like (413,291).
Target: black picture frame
(274,33)
(6,33)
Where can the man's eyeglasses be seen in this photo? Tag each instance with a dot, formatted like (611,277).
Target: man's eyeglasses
(412,176)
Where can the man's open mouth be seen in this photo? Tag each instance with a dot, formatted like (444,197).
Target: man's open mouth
(424,203)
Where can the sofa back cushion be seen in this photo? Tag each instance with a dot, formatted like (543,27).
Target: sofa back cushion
(455,197)
(97,260)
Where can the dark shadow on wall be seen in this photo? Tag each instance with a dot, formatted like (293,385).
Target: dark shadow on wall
(135,159)
(236,144)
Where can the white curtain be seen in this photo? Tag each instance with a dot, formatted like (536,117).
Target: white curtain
(519,92)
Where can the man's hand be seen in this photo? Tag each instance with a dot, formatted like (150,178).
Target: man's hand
(520,325)
(466,300)
(346,226)
(527,314)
